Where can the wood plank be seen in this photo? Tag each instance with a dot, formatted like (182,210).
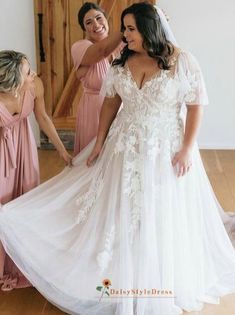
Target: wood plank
(52,310)
(108,6)
(219,165)
(66,122)
(115,17)
(76,33)
(69,94)
(57,50)
(67,43)
(37,10)
(50,164)
(44,70)
(26,301)
(227,161)
(69,98)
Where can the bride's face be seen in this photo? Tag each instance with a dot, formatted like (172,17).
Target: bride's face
(133,36)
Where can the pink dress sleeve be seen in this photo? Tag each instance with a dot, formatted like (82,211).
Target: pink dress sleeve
(78,51)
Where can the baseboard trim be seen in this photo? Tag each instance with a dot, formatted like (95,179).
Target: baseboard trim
(216,146)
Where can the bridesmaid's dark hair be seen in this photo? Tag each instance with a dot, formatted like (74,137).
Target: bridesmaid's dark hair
(154,38)
(87,6)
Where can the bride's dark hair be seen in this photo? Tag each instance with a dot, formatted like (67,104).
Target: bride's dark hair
(154,39)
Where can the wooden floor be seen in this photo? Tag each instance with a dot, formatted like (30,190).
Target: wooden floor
(220,167)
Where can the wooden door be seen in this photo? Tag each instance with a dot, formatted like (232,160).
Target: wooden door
(57,29)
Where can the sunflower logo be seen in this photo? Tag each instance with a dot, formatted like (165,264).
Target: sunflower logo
(104,289)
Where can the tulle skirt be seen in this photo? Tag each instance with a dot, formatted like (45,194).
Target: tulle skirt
(158,240)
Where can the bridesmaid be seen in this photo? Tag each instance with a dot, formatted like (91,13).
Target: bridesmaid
(21,92)
(92,57)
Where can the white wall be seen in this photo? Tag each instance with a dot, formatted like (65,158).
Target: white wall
(206,28)
(17,33)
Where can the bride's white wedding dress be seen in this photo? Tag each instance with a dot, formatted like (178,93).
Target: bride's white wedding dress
(128,218)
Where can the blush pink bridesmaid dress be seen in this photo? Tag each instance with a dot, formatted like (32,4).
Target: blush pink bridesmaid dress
(19,172)
(91,101)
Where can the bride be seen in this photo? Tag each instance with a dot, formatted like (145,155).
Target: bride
(134,227)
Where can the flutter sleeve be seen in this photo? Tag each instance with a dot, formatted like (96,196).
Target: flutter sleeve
(108,86)
(195,90)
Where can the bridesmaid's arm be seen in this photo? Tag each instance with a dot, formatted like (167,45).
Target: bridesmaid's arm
(102,49)
(108,113)
(45,122)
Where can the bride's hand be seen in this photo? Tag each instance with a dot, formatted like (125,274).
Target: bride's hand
(182,161)
(94,154)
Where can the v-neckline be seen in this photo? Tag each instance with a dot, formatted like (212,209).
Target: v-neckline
(15,114)
(157,74)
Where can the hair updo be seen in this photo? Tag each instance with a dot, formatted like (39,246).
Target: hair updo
(11,70)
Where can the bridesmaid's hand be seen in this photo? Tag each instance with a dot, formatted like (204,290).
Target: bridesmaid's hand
(67,158)
(182,161)
(94,154)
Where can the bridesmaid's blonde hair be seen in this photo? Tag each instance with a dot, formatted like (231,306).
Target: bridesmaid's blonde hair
(11,70)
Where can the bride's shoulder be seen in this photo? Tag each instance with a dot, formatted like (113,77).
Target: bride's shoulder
(185,54)
(116,69)
(187,59)
(113,72)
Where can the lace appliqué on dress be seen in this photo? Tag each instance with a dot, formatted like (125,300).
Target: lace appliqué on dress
(87,200)
(104,257)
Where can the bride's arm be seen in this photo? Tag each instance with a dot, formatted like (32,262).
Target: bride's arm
(108,113)
(193,122)
(183,158)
